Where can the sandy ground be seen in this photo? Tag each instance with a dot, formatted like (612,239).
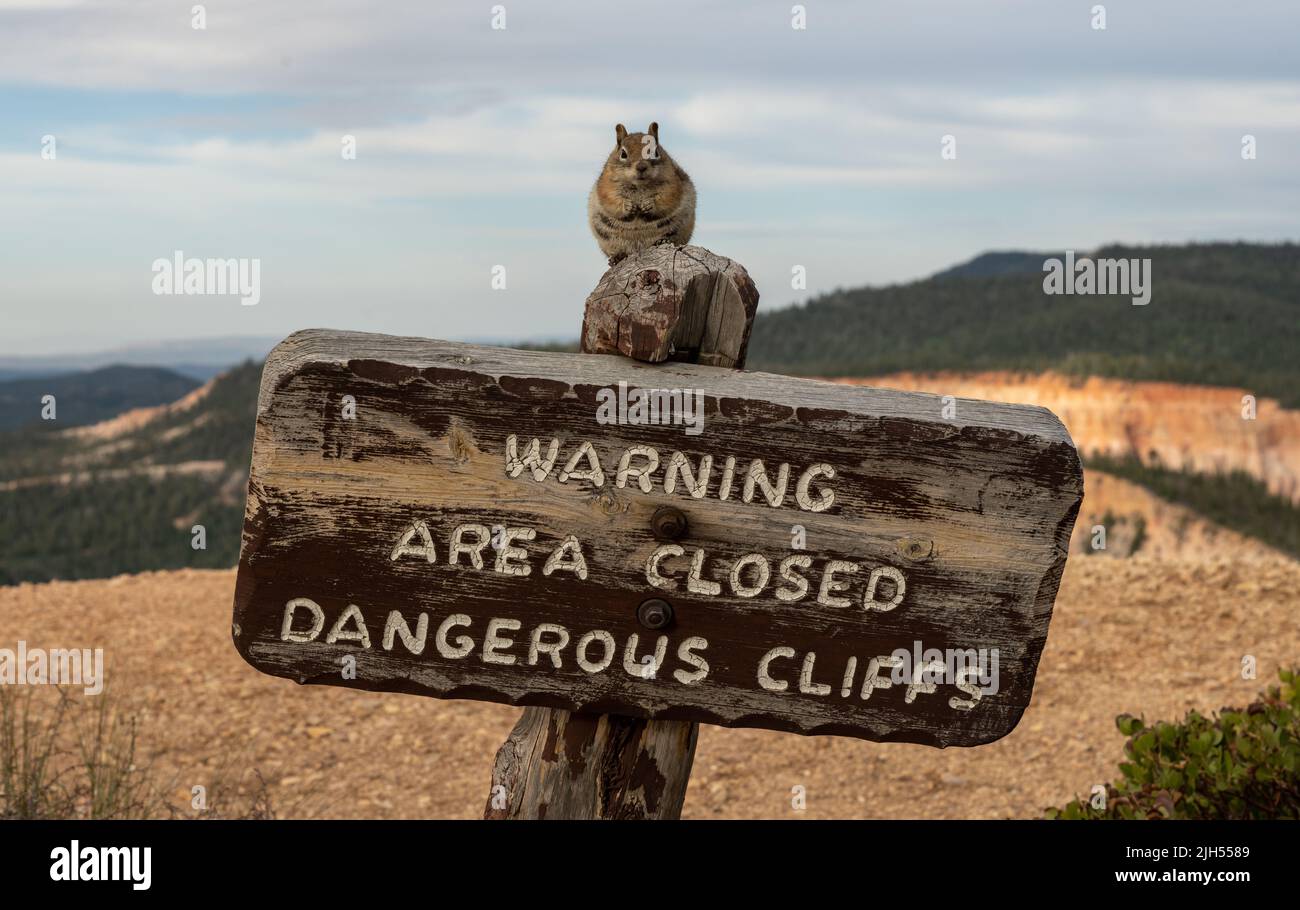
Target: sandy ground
(1139,635)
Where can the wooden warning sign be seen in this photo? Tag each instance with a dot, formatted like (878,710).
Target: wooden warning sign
(676,541)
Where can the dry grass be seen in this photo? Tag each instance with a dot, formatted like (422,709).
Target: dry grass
(64,754)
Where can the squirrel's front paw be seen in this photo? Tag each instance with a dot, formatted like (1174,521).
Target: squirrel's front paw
(662,241)
(615,260)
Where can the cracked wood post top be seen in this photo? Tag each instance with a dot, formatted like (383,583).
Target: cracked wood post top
(672,303)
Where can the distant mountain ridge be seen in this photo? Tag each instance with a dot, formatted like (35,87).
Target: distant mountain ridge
(203,358)
(198,358)
(90,396)
(987,265)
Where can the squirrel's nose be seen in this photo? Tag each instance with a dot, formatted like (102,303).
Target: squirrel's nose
(642,167)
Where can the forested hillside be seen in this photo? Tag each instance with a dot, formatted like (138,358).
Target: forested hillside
(1220,314)
(86,505)
(1233,499)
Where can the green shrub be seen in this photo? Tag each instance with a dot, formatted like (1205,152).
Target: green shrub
(1236,764)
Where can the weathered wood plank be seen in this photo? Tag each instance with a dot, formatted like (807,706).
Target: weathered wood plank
(972,512)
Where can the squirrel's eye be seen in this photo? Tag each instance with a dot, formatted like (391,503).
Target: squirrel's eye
(622,154)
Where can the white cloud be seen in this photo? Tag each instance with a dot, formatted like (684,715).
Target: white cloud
(477,147)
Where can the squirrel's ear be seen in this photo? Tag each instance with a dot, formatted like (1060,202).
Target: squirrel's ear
(654,131)
(620,133)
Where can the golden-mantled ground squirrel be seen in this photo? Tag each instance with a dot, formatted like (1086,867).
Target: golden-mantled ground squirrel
(641,197)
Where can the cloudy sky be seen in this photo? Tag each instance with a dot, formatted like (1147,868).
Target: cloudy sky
(476,147)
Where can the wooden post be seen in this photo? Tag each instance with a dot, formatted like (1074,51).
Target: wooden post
(663,303)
